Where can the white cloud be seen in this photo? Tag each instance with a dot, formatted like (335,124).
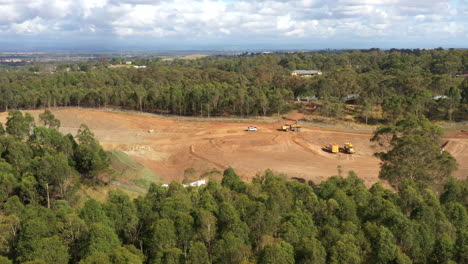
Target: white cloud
(267,19)
(33,26)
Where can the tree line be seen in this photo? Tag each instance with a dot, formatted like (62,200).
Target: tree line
(39,164)
(394,81)
(269,220)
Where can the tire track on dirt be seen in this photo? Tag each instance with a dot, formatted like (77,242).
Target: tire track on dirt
(193,153)
(302,145)
(455,148)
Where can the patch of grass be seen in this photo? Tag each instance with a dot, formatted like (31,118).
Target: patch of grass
(127,175)
(120,158)
(99,193)
(126,169)
(143,183)
(212,175)
(149,175)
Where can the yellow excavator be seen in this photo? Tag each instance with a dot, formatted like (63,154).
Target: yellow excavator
(348,148)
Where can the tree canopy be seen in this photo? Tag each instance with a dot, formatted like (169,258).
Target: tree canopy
(414,152)
(392,82)
(270,220)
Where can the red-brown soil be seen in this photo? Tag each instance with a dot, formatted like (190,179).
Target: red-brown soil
(180,143)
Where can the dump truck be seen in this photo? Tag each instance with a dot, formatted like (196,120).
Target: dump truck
(333,148)
(291,127)
(348,148)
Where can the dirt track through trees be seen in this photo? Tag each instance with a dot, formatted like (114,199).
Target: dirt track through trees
(180,143)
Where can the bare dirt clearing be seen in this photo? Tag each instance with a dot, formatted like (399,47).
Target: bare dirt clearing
(176,144)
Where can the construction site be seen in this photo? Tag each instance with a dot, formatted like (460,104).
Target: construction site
(167,146)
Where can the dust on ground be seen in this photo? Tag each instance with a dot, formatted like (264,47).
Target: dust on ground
(168,146)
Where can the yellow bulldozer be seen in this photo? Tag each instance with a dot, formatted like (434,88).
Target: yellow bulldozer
(348,148)
(332,148)
(291,127)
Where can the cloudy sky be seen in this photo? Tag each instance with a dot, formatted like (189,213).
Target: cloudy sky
(232,24)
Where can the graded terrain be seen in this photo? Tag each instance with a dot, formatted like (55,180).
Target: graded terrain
(170,145)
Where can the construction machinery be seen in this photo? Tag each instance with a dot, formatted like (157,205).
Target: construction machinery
(348,148)
(291,127)
(333,148)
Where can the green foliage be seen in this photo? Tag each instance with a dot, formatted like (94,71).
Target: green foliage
(171,256)
(51,250)
(414,152)
(162,237)
(18,154)
(231,249)
(281,253)
(393,107)
(332,109)
(73,231)
(89,155)
(270,221)
(49,120)
(13,206)
(232,181)
(92,212)
(8,180)
(85,136)
(102,238)
(122,255)
(310,250)
(54,170)
(454,191)
(122,212)
(39,164)
(5,260)
(444,248)
(345,251)
(9,227)
(207,227)
(34,262)
(249,85)
(96,257)
(38,226)
(457,214)
(198,254)
(48,140)
(18,125)
(382,242)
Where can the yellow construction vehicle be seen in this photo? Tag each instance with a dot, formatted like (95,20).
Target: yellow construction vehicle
(333,148)
(291,127)
(348,148)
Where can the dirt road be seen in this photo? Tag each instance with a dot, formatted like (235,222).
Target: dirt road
(178,144)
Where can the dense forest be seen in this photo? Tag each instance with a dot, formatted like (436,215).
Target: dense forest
(392,82)
(422,219)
